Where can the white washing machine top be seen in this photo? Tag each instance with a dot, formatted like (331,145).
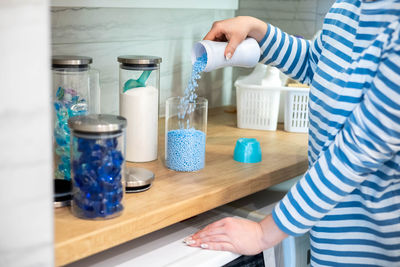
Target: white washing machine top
(164,248)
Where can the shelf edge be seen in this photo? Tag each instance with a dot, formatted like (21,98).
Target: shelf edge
(181,4)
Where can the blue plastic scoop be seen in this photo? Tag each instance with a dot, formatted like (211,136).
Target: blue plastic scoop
(141,82)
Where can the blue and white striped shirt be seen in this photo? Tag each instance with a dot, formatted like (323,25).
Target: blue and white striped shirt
(349,198)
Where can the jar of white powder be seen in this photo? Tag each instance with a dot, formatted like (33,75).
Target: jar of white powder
(139,84)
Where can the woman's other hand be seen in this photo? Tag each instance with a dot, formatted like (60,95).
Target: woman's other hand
(238,235)
(235,30)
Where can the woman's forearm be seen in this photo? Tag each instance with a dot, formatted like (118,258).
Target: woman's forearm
(258,28)
(272,235)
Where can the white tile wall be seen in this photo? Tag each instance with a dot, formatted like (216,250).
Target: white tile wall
(26,221)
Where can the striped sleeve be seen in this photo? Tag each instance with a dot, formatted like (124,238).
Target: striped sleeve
(369,138)
(294,56)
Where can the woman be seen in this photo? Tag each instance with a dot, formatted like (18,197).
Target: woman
(349,198)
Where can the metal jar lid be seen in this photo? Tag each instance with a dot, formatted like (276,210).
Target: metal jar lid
(138,179)
(97,123)
(71,60)
(139,60)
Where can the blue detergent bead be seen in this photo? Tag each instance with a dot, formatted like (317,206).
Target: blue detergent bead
(185,149)
(190,95)
(186,146)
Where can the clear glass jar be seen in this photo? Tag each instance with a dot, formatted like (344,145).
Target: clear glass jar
(139,83)
(75,92)
(98,165)
(185,133)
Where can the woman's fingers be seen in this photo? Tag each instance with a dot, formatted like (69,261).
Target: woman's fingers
(213,229)
(216,32)
(213,239)
(233,43)
(211,35)
(223,246)
(234,234)
(209,231)
(217,242)
(197,241)
(220,37)
(215,224)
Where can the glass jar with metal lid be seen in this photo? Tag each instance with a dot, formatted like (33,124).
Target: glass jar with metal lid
(75,92)
(139,87)
(98,165)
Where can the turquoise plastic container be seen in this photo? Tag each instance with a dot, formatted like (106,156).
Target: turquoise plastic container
(247,150)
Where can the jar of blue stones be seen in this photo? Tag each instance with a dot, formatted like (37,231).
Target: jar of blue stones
(185,133)
(98,162)
(76,91)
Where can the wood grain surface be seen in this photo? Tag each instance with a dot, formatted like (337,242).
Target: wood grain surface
(176,196)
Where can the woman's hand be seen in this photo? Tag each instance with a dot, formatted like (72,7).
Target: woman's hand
(235,30)
(238,235)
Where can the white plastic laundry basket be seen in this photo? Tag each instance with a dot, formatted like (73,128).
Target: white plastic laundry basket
(257,106)
(296,109)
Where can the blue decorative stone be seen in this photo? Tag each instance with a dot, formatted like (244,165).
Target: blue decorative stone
(64,106)
(112,142)
(185,150)
(98,188)
(117,158)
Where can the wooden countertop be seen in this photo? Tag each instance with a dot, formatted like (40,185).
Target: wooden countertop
(176,196)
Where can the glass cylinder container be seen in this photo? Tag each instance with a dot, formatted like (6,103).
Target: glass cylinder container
(185,133)
(98,165)
(139,86)
(75,92)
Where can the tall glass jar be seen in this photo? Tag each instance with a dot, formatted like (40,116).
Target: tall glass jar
(75,92)
(139,87)
(185,133)
(98,165)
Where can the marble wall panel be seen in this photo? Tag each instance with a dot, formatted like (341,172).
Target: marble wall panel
(96,25)
(291,9)
(323,7)
(106,33)
(292,16)
(175,69)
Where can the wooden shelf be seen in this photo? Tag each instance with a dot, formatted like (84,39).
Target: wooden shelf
(189,4)
(176,196)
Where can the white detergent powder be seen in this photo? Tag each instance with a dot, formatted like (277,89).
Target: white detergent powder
(140,107)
